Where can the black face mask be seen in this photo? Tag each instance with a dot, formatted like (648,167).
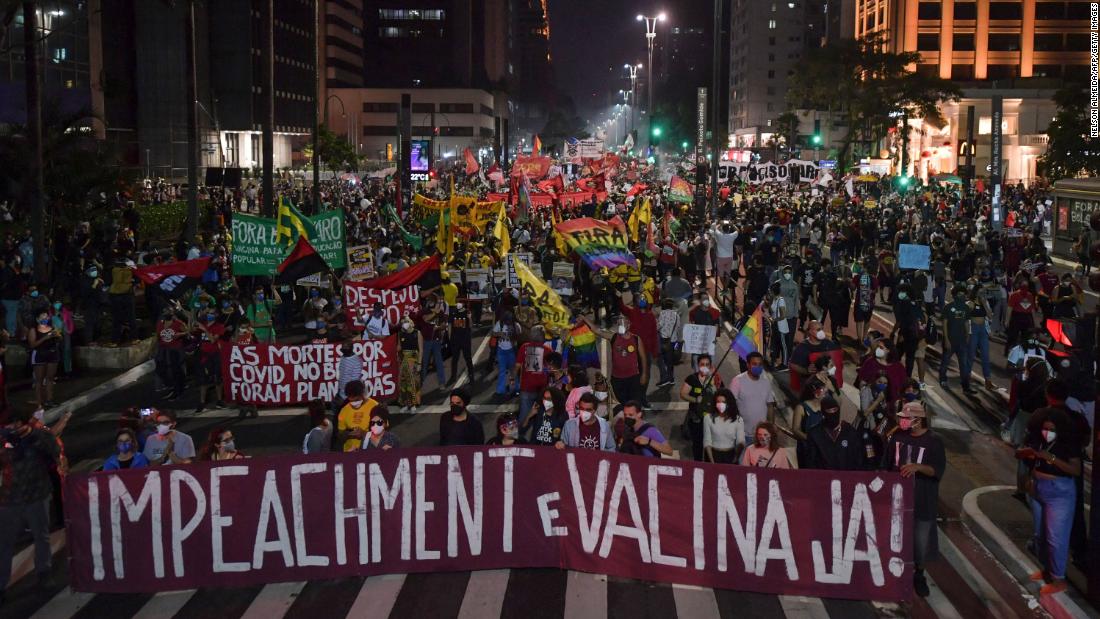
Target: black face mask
(457,410)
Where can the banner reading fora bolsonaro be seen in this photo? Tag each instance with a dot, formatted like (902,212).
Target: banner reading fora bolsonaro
(282,374)
(362,513)
(257,250)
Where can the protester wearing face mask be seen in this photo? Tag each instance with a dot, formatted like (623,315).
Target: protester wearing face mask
(376,326)
(1023,312)
(533,372)
(168,445)
(753,391)
(636,437)
(126,454)
(44,341)
(915,451)
(723,430)
(458,427)
(834,444)
(956,326)
(408,377)
(433,332)
(259,313)
(220,445)
(508,432)
(29,454)
(586,430)
(545,425)
(698,391)
(461,332)
(814,344)
(765,451)
(380,436)
(909,324)
(353,421)
(629,360)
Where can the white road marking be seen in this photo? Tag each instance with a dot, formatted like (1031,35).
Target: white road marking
(695,602)
(274,600)
(798,607)
(484,594)
(164,604)
(377,596)
(63,605)
(585,596)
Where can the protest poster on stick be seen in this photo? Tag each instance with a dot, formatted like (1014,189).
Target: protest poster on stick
(562,280)
(360,262)
(278,374)
(837,534)
(477,284)
(914,256)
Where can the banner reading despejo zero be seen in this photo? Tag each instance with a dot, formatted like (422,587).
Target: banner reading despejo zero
(361,513)
(359,300)
(256,252)
(283,374)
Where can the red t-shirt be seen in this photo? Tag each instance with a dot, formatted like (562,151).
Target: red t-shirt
(533,373)
(644,324)
(624,356)
(588,436)
(171,333)
(211,343)
(1021,301)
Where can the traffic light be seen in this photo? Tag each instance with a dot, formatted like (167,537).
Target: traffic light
(903,183)
(683,145)
(656,131)
(816,139)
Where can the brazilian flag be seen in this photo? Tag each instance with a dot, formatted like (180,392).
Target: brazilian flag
(291,224)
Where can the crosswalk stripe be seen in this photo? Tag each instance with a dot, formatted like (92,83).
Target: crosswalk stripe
(164,604)
(695,602)
(63,605)
(464,376)
(939,602)
(377,596)
(994,603)
(484,594)
(799,607)
(585,596)
(23,563)
(274,600)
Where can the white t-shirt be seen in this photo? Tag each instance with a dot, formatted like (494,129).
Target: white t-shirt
(753,397)
(779,308)
(723,243)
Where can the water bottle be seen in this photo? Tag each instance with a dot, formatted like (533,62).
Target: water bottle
(868,446)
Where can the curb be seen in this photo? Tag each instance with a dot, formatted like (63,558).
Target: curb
(126,378)
(1060,605)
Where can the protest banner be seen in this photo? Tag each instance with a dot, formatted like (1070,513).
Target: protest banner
(914,256)
(512,280)
(281,374)
(360,297)
(602,244)
(555,315)
(360,262)
(255,250)
(532,166)
(838,361)
(679,190)
(793,171)
(477,284)
(251,522)
(562,280)
(699,339)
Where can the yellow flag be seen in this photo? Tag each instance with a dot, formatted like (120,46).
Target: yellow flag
(500,232)
(554,313)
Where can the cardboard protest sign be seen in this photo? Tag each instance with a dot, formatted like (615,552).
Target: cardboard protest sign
(699,339)
(914,256)
(477,284)
(562,281)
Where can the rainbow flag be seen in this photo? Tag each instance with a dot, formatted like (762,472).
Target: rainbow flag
(580,347)
(679,190)
(601,244)
(751,337)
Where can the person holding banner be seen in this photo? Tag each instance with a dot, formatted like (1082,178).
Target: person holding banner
(587,430)
(457,427)
(765,451)
(353,421)
(259,314)
(380,436)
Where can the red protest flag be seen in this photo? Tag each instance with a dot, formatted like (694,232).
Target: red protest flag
(424,274)
(303,261)
(175,278)
(536,146)
(472,165)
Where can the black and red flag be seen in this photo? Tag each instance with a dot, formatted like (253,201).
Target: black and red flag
(424,274)
(174,279)
(303,261)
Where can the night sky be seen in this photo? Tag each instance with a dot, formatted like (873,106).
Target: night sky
(588,36)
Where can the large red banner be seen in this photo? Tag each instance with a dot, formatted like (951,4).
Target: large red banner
(264,520)
(279,374)
(360,297)
(533,166)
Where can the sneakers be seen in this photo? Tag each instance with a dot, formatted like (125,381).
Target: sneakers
(1036,576)
(666,383)
(968,390)
(1051,588)
(920,584)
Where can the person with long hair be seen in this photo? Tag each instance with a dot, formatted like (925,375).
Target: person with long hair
(45,343)
(765,451)
(698,390)
(380,436)
(220,445)
(807,413)
(319,437)
(547,419)
(723,430)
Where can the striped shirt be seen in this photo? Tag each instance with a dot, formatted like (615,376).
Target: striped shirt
(351,368)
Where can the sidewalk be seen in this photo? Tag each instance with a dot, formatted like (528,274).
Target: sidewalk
(1004,525)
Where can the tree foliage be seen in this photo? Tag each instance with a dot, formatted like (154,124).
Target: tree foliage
(860,84)
(334,151)
(1070,151)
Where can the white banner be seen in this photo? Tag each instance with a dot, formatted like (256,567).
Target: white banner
(795,170)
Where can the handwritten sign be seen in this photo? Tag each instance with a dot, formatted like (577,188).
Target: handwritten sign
(699,339)
(914,256)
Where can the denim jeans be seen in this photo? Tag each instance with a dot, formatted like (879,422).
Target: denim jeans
(527,400)
(506,363)
(11,316)
(979,343)
(432,350)
(959,351)
(1052,516)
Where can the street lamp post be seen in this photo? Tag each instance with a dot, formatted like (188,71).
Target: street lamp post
(650,37)
(633,69)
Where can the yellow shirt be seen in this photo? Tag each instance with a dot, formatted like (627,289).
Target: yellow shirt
(355,416)
(450,293)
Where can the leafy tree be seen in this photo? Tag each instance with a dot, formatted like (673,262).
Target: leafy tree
(862,84)
(1070,151)
(335,151)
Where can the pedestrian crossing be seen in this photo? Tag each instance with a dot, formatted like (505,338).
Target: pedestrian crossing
(961,586)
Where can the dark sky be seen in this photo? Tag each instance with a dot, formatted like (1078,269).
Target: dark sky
(588,36)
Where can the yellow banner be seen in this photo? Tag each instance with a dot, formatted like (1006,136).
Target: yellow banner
(554,313)
(428,203)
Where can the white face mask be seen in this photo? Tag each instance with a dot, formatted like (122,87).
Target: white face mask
(706,303)
(376,430)
(704,370)
(880,353)
(820,334)
(1049,435)
(721,407)
(163,428)
(586,416)
(622,329)
(548,404)
(601,395)
(459,306)
(831,370)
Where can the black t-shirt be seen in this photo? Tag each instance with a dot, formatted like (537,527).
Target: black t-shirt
(904,448)
(801,354)
(465,432)
(835,450)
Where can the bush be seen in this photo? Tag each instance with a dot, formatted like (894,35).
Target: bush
(166,221)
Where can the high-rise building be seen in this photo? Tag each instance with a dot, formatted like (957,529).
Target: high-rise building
(342,40)
(768,39)
(968,40)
